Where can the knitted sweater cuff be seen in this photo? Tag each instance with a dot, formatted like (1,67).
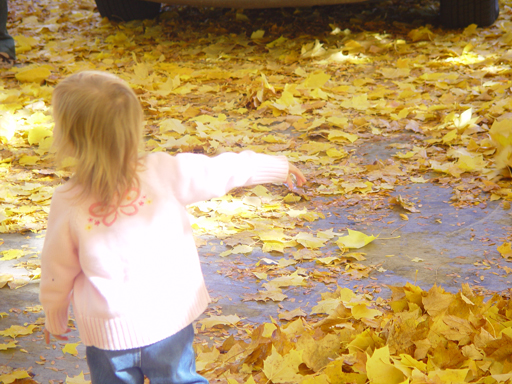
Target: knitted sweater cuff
(56,321)
(271,169)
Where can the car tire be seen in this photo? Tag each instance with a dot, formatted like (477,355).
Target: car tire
(127,10)
(461,13)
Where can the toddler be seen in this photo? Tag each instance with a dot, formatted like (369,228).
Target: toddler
(119,244)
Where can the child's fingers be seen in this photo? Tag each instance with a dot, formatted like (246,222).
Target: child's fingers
(299,176)
(58,337)
(289,182)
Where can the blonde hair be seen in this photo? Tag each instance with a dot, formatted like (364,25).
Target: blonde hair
(99,121)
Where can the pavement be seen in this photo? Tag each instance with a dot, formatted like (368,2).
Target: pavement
(443,244)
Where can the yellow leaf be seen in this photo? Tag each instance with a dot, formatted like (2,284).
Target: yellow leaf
(260,275)
(239,249)
(36,134)
(18,330)
(258,34)
(419,180)
(286,281)
(315,147)
(11,344)
(316,80)
(13,376)
(308,240)
(450,136)
(501,132)
(394,73)
(504,249)
(274,235)
(28,160)
(421,34)
(361,311)
(291,198)
(410,361)
(335,135)
(337,121)
(71,349)
(380,370)
(283,369)
(318,353)
(359,102)
(470,164)
(77,379)
(174,125)
(12,254)
(354,239)
(327,260)
(205,358)
(437,301)
(33,75)
(272,246)
(465,119)
(289,315)
(449,376)
(212,321)
(5,278)
(335,153)
(24,43)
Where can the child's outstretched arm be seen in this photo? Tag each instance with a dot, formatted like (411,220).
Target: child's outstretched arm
(299,176)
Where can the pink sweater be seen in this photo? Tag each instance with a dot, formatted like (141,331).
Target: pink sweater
(133,274)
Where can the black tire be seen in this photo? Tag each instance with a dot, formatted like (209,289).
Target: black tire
(127,10)
(461,13)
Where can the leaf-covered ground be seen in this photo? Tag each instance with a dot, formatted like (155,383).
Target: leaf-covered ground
(319,85)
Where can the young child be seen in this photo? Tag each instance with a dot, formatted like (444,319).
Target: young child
(119,244)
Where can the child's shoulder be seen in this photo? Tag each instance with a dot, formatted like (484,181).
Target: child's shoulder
(156,159)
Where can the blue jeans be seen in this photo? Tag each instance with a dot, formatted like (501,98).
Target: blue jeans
(6,41)
(170,361)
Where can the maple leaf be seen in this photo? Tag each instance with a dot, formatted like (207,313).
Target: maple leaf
(505,250)
(11,344)
(78,379)
(286,281)
(361,311)
(34,74)
(71,349)
(283,369)
(437,301)
(318,353)
(13,376)
(380,370)
(289,315)
(12,254)
(354,239)
(404,203)
(5,278)
(18,330)
(212,321)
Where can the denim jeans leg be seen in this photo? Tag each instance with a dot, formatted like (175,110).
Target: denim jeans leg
(173,360)
(114,367)
(6,41)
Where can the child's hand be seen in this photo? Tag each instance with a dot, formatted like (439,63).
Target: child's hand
(58,337)
(299,177)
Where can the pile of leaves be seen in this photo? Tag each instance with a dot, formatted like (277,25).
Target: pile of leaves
(416,337)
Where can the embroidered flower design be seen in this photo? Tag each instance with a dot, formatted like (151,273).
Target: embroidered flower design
(108,214)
